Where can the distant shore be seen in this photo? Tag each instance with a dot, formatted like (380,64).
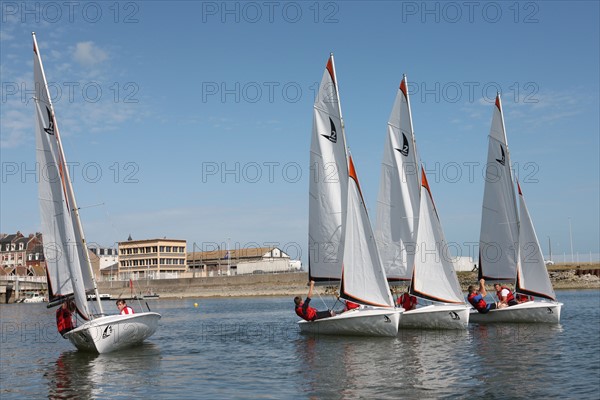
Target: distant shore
(292,284)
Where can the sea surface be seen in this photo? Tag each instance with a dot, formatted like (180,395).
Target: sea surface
(251,348)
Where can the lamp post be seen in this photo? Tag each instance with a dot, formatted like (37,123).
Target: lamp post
(571,238)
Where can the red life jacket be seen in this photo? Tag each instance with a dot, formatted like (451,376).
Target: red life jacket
(407,301)
(523,298)
(310,314)
(127,310)
(64,320)
(479,305)
(509,297)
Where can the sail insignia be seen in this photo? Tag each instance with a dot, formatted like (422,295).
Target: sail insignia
(405,148)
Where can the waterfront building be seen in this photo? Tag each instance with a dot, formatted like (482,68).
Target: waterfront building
(151,259)
(251,260)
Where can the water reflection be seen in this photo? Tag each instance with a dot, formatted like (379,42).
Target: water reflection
(77,374)
(416,363)
(508,352)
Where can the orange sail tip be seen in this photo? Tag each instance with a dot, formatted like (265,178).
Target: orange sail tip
(498,102)
(351,170)
(330,68)
(519,187)
(424,182)
(403,86)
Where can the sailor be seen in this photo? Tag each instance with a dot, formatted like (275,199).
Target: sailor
(305,311)
(476,296)
(124,308)
(64,317)
(505,296)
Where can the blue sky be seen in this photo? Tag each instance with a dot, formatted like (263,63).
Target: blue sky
(192,120)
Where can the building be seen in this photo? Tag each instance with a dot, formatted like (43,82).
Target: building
(253,260)
(107,259)
(152,258)
(22,255)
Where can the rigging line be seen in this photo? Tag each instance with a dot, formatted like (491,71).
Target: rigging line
(92,205)
(323,300)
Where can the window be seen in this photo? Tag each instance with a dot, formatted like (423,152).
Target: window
(29,257)
(20,246)
(162,249)
(168,249)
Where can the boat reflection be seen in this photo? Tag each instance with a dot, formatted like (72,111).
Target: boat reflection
(81,375)
(414,364)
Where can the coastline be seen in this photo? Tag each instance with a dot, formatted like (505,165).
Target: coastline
(563,277)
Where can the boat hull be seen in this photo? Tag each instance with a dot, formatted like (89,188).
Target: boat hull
(436,317)
(529,312)
(114,332)
(360,322)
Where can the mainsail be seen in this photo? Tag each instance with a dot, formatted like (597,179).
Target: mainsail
(434,277)
(499,236)
(532,275)
(363,277)
(328,190)
(64,247)
(398,198)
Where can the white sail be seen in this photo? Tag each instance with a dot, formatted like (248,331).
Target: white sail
(434,276)
(363,277)
(328,183)
(398,199)
(64,247)
(498,239)
(532,275)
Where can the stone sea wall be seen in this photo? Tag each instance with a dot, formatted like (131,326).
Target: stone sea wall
(292,284)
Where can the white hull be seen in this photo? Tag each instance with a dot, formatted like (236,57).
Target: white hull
(436,317)
(114,332)
(361,322)
(530,312)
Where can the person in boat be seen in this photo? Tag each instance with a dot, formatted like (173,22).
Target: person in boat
(64,317)
(505,296)
(523,298)
(124,308)
(407,301)
(476,296)
(305,311)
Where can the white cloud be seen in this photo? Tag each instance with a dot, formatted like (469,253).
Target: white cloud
(88,54)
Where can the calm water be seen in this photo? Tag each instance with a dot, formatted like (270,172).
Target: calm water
(251,348)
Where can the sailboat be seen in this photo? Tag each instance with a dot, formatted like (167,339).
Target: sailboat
(406,217)
(69,270)
(342,247)
(508,246)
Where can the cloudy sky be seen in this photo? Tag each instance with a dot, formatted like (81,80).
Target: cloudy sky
(192,120)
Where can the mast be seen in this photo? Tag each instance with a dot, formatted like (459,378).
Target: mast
(69,186)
